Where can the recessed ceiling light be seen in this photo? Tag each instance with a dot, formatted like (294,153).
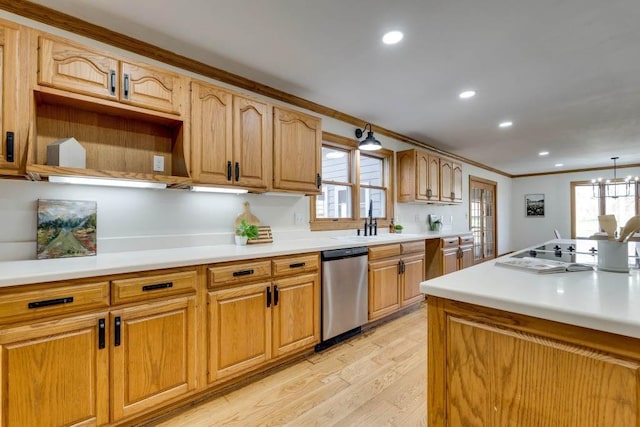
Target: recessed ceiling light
(467,94)
(392,37)
(559,165)
(505,124)
(543,153)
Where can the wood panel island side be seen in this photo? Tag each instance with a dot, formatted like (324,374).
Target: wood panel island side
(514,348)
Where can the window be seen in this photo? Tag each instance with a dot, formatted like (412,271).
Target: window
(586,207)
(351,183)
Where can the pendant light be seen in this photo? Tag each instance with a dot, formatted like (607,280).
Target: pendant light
(369,143)
(612,187)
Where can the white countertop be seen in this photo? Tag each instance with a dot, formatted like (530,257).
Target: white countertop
(14,273)
(593,299)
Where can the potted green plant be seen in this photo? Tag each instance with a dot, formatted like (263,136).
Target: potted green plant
(435,225)
(398,228)
(245,231)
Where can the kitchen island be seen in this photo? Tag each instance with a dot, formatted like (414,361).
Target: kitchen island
(511,347)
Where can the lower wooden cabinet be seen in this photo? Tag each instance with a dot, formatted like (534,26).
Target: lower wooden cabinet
(395,273)
(55,373)
(153,354)
(239,329)
(448,254)
(261,320)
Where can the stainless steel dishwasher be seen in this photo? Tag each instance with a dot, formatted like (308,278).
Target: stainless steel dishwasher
(344,293)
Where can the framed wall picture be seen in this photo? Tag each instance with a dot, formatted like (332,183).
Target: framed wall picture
(66,228)
(534,205)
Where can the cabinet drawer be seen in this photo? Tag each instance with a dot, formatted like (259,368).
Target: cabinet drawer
(466,240)
(384,251)
(411,247)
(448,242)
(51,302)
(294,265)
(240,272)
(142,288)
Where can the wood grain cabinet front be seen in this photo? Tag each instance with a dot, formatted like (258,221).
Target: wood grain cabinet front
(55,372)
(395,273)
(418,176)
(153,354)
(14,106)
(76,68)
(297,151)
(448,254)
(231,138)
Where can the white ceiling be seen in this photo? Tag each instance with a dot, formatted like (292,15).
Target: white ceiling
(566,72)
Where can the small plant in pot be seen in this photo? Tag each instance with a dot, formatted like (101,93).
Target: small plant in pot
(245,231)
(398,228)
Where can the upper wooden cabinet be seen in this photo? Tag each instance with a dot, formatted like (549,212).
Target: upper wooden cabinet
(75,68)
(418,176)
(13,100)
(297,151)
(450,181)
(231,138)
(423,177)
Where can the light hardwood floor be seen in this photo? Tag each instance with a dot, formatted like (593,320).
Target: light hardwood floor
(375,379)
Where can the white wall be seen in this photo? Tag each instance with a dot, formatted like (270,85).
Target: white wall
(133,219)
(557,190)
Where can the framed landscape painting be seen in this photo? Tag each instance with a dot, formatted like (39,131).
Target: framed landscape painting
(66,228)
(534,205)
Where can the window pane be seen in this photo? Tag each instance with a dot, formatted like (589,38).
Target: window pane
(371,169)
(334,202)
(374,198)
(622,207)
(335,165)
(586,211)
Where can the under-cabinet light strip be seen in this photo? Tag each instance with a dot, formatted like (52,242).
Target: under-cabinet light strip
(202,189)
(105,182)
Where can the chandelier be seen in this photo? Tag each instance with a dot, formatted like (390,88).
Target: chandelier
(614,187)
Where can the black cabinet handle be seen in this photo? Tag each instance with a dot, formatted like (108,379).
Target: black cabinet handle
(101,337)
(116,333)
(399,267)
(453,195)
(9,152)
(318,180)
(229,170)
(242,273)
(429,192)
(126,86)
(276,295)
(297,265)
(268,296)
(157,286)
(50,302)
(112,82)
(237,171)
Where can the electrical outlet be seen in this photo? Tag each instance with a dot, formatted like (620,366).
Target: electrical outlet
(417,217)
(158,164)
(298,218)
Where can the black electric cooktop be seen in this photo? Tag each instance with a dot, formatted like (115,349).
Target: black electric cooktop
(576,251)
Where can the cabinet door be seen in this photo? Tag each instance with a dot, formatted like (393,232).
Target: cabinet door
(239,329)
(449,260)
(446,184)
(466,256)
(297,149)
(10,151)
(422,176)
(251,142)
(413,274)
(149,87)
(67,66)
(211,134)
(55,373)
(433,186)
(456,183)
(384,292)
(153,354)
(296,313)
